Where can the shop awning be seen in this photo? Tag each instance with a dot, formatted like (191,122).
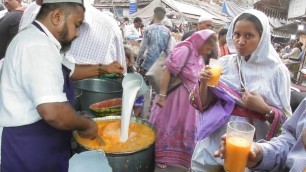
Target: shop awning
(274,8)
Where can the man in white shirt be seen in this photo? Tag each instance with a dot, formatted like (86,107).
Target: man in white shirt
(100,40)
(133,31)
(36,118)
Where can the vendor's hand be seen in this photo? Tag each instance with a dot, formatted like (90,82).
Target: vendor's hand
(114,67)
(161,101)
(205,74)
(255,102)
(91,131)
(254,158)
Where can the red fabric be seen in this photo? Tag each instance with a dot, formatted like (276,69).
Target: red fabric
(243,112)
(224,50)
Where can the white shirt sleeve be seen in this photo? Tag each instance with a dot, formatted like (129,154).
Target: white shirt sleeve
(41,75)
(69,65)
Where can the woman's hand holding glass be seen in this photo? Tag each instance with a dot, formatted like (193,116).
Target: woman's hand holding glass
(205,74)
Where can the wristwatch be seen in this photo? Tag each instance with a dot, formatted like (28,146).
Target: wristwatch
(269,116)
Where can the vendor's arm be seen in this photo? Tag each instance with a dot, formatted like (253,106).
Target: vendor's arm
(86,71)
(164,83)
(62,116)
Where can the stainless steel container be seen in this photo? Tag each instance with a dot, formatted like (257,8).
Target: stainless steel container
(93,90)
(137,161)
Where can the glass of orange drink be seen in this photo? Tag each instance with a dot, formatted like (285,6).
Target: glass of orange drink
(239,138)
(216,71)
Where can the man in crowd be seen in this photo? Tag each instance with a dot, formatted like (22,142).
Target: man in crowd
(36,117)
(205,22)
(156,39)
(9,24)
(223,49)
(283,153)
(123,25)
(133,31)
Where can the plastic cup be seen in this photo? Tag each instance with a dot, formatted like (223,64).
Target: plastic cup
(239,138)
(216,71)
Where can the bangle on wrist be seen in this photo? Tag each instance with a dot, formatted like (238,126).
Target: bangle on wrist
(100,70)
(270,115)
(162,95)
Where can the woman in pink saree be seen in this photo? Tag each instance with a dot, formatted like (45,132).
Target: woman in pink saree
(172,114)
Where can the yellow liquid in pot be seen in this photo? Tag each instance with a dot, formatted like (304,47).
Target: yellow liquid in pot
(140,136)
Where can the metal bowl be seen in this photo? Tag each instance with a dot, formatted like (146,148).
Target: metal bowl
(142,160)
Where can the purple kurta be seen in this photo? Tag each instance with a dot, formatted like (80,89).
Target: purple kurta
(175,122)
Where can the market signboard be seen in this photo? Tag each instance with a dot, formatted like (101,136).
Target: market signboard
(133,6)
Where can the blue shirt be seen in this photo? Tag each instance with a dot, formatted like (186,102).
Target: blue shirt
(286,152)
(156,39)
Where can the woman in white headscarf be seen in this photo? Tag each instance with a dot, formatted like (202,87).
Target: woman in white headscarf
(254,87)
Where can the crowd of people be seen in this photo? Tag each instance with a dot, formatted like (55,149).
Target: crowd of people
(72,40)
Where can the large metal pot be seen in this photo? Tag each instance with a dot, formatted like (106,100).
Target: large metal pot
(93,90)
(137,161)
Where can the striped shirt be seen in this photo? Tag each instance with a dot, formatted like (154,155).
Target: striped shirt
(100,40)
(286,152)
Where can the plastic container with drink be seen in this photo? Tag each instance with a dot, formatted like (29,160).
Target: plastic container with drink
(216,71)
(239,138)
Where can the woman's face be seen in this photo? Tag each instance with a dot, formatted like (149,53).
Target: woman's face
(207,47)
(246,37)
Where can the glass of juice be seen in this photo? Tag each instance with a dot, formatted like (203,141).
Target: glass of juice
(216,71)
(239,138)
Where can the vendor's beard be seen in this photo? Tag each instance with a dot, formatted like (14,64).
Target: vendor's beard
(65,42)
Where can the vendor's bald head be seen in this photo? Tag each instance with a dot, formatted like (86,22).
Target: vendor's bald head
(63,19)
(205,22)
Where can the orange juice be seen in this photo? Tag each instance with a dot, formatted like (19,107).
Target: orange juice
(214,79)
(237,152)
(139,136)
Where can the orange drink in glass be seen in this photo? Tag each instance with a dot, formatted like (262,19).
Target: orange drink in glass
(216,71)
(239,137)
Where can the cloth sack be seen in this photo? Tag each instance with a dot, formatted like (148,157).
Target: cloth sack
(215,115)
(156,71)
